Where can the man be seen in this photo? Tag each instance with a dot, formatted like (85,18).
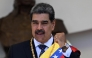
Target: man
(42,23)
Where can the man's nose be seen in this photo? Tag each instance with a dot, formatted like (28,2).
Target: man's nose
(40,26)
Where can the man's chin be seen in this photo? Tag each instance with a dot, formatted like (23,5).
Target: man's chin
(40,40)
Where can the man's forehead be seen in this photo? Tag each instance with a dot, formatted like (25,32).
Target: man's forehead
(41,20)
(40,17)
(40,14)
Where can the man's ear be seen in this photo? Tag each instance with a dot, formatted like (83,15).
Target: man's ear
(53,24)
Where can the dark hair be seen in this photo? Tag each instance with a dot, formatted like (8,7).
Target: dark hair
(43,8)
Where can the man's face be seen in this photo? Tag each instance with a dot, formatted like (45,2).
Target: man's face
(42,27)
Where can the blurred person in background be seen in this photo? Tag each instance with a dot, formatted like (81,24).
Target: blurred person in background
(15,27)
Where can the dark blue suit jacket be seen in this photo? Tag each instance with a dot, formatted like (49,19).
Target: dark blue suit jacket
(23,50)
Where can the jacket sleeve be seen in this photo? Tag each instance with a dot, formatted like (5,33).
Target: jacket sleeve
(75,53)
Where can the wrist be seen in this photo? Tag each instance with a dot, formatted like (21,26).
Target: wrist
(65,47)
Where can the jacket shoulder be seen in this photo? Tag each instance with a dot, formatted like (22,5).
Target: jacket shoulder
(22,44)
(75,52)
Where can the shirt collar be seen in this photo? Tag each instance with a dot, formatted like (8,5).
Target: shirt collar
(48,43)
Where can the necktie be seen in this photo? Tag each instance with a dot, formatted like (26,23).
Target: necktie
(42,47)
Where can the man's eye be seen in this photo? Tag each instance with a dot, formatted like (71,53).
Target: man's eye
(35,23)
(44,23)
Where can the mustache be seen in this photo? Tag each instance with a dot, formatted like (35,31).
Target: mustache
(41,31)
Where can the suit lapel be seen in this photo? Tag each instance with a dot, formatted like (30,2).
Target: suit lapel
(53,41)
(34,49)
(28,51)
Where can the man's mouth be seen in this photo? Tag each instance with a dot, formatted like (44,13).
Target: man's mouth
(40,32)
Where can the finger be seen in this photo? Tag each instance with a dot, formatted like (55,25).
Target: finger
(55,39)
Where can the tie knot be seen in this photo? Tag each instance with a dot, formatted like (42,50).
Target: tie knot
(42,47)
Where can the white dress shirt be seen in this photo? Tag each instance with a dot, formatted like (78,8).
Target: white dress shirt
(48,44)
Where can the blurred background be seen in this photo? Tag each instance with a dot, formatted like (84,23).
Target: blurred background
(74,17)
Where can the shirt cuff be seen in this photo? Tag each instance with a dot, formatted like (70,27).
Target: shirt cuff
(68,52)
